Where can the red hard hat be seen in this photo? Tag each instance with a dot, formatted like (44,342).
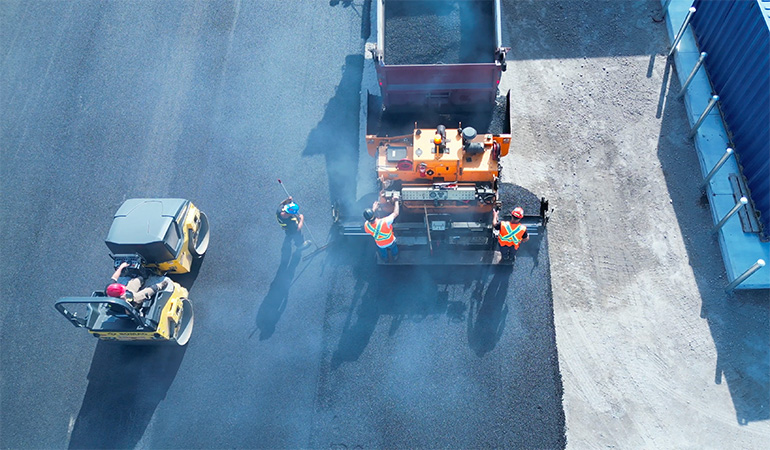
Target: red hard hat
(116,290)
(517,212)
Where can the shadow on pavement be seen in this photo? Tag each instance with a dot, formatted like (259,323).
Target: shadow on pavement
(739,323)
(401,293)
(336,135)
(125,385)
(274,303)
(488,310)
(365,13)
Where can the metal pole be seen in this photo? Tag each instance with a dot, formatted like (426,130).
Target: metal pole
(681,30)
(498,27)
(757,265)
(717,166)
(284,188)
(665,8)
(712,103)
(692,74)
(380,28)
(663,14)
(740,204)
(311,235)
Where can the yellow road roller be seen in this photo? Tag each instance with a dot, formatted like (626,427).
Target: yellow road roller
(150,240)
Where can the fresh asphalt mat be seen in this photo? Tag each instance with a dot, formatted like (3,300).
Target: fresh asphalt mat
(438,357)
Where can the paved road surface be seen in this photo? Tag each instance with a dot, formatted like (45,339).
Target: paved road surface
(213,101)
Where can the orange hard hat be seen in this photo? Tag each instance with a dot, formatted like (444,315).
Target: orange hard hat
(517,212)
(116,290)
(437,139)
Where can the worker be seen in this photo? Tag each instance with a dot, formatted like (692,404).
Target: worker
(291,221)
(511,233)
(382,230)
(132,291)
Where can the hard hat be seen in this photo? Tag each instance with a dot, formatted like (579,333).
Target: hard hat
(291,208)
(368,214)
(437,139)
(517,212)
(116,290)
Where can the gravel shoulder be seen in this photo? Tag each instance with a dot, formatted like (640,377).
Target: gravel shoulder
(652,352)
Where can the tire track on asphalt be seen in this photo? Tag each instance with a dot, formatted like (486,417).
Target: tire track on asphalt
(219,101)
(166,124)
(36,97)
(16,35)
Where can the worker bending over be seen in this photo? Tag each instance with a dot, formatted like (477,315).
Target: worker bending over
(511,233)
(382,230)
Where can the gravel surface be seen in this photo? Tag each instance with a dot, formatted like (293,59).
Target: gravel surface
(652,352)
(439,32)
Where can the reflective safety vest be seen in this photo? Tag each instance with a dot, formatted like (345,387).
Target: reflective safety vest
(382,232)
(290,223)
(511,236)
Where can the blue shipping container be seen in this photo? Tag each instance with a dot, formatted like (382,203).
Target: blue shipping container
(736,36)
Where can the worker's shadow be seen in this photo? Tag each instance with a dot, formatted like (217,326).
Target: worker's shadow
(402,294)
(486,319)
(274,303)
(358,330)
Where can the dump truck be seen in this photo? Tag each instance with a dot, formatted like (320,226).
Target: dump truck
(438,132)
(439,54)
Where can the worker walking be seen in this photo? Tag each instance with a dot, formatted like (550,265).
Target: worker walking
(382,230)
(291,221)
(511,233)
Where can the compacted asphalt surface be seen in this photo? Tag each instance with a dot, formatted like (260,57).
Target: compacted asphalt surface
(214,102)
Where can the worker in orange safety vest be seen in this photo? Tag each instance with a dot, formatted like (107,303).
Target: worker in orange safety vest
(511,233)
(382,230)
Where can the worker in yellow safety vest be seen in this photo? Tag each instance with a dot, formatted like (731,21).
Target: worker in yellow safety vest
(511,233)
(381,229)
(291,221)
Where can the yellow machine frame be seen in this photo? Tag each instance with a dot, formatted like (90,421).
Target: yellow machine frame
(168,323)
(183,262)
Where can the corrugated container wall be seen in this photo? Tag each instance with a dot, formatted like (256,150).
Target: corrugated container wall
(736,36)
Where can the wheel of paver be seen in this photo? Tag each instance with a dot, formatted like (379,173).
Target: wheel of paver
(199,240)
(186,323)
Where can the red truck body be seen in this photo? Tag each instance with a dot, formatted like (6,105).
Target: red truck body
(410,76)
